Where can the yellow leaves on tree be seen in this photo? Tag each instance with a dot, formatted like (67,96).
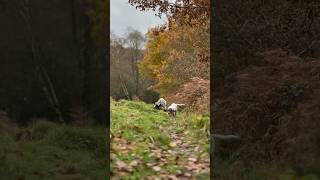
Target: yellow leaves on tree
(175,54)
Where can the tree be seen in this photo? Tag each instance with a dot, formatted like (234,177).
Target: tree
(189,12)
(174,56)
(48,88)
(135,41)
(42,58)
(178,50)
(118,68)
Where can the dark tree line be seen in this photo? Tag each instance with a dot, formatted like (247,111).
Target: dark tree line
(51,64)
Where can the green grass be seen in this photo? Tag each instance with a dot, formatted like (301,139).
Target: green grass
(45,150)
(137,121)
(139,125)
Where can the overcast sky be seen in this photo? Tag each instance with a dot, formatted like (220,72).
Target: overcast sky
(123,15)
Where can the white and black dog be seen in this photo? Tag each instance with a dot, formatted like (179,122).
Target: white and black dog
(173,108)
(160,104)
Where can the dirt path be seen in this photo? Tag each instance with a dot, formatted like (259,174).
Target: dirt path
(187,155)
(185,159)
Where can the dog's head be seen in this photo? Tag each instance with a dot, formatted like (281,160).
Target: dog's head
(157,106)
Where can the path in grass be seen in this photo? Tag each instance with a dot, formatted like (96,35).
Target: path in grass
(146,144)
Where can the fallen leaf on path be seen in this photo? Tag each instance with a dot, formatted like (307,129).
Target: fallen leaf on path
(173,177)
(113,156)
(156,168)
(123,166)
(120,164)
(187,174)
(192,159)
(134,163)
(173,144)
(149,164)
(196,148)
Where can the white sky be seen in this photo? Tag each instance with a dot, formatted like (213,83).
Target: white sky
(123,15)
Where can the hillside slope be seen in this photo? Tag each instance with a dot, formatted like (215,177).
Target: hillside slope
(45,150)
(146,143)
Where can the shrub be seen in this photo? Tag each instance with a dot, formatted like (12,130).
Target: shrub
(73,138)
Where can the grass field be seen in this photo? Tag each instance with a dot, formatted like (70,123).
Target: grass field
(45,150)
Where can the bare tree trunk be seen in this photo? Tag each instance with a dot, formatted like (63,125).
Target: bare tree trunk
(137,85)
(124,87)
(45,80)
(79,49)
(87,44)
(133,66)
(73,21)
(137,72)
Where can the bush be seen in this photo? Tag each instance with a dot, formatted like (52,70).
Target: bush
(150,96)
(276,119)
(40,128)
(6,127)
(73,138)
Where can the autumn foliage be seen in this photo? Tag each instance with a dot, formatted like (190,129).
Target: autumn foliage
(178,50)
(188,12)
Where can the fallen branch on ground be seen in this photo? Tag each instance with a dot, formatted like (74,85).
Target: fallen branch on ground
(225,137)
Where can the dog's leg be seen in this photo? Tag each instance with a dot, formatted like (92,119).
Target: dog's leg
(170,115)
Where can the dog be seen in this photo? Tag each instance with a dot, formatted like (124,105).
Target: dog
(160,104)
(173,108)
